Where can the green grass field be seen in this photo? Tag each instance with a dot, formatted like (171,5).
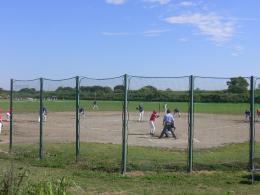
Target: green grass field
(150,170)
(220,170)
(62,106)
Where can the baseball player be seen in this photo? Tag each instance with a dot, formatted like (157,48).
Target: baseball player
(140,108)
(95,106)
(154,115)
(247,115)
(1,123)
(168,125)
(44,114)
(176,112)
(165,108)
(8,115)
(81,111)
(258,114)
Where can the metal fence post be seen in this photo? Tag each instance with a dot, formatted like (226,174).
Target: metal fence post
(11,116)
(191,125)
(125,127)
(252,123)
(77,121)
(41,119)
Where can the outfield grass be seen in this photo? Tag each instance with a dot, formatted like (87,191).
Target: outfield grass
(67,105)
(150,170)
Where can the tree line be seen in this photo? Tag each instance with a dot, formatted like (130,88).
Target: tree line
(237,92)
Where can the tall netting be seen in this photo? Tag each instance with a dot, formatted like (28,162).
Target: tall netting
(59,110)
(221,123)
(257,124)
(148,101)
(25,112)
(100,109)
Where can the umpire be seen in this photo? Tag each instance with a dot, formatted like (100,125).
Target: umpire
(168,125)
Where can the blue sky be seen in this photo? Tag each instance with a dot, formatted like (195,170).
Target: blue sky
(104,38)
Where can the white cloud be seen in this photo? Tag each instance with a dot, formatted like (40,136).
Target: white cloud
(237,50)
(216,28)
(155,33)
(183,39)
(148,33)
(161,2)
(116,33)
(116,2)
(186,3)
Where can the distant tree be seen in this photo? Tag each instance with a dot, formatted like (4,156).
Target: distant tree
(119,88)
(237,85)
(148,88)
(62,89)
(28,90)
(148,92)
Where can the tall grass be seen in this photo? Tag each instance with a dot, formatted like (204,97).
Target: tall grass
(149,170)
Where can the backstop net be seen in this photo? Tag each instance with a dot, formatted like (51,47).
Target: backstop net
(25,111)
(59,122)
(221,123)
(148,101)
(257,124)
(100,109)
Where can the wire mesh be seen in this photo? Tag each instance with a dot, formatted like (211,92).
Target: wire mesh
(221,119)
(25,111)
(101,115)
(59,104)
(221,123)
(149,94)
(257,124)
(4,123)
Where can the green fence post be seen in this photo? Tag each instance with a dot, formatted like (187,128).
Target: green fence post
(11,116)
(41,118)
(125,127)
(252,123)
(77,120)
(191,125)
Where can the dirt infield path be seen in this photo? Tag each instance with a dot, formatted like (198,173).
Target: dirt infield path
(106,127)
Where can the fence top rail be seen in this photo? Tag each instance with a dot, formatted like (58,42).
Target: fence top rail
(150,77)
(101,79)
(132,76)
(66,79)
(208,77)
(28,80)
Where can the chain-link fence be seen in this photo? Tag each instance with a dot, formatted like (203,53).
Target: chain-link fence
(129,111)
(149,99)
(25,111)
(101,115)
(221,123)
(59,110)
(257,124)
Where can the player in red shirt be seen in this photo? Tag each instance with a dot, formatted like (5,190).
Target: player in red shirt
(258,114)
(151,122)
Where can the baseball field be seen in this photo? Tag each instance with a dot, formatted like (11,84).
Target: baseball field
(214,124)
(221,147)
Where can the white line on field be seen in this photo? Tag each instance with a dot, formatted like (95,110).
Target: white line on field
(95,128)
(227,126)
(115,130)
(196,140)
(153,140)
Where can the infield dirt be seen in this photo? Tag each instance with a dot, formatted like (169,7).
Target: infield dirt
(210,130)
